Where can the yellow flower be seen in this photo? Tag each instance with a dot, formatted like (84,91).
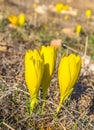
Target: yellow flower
(35,5)
(66,7)
(68,73)
(78,30)
(13,20)
(21,20)
(59,7)
(17,21)
(88,14)
(49,55)
(34,67)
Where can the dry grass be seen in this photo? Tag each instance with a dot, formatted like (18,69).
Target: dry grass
(77,113)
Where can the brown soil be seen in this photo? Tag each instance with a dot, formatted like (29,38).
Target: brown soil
(78,112)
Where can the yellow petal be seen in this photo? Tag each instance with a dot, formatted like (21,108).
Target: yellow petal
(33,72)
(64,76)
(73,68)
(30,74)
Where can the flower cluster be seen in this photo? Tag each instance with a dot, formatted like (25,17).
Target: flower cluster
(17,21)
(61,7)
(39,67)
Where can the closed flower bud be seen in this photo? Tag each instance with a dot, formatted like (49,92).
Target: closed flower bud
(13,20)
(88,14)
(21,20)
(34,67)
(68,73)
(49,55)
(78,30)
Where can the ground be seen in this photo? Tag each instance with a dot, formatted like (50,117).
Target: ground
(77,112)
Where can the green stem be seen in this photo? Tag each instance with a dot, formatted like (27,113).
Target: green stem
(59,106)
(43,102)
(33,102)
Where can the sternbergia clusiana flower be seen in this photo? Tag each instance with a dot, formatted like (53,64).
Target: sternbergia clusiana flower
(88,13)
(13,20)
(59,7)
(21,20)
(78,30)
(34,67)
(68,73)
(49,55)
